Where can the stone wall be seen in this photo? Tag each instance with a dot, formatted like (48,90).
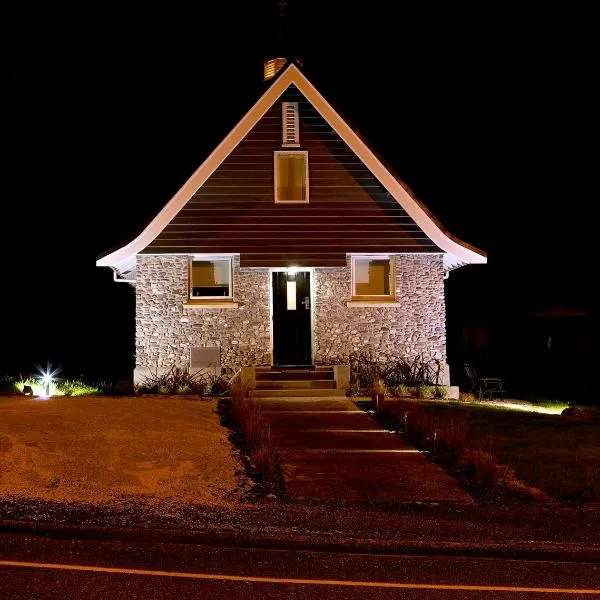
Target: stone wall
(166,330)
(415,323)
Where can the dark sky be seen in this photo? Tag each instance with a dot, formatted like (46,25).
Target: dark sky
(489,115)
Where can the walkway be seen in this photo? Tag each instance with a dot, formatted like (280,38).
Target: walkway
(332,450)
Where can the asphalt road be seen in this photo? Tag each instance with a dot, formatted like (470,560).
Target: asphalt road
(35,567)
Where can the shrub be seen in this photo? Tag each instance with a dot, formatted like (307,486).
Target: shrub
(172,382)
(378,387)
(426,392)
(441,392)
(255,433)
(216,385)
(353,389)
(415,370)
(483,470)
(403,391)
(467,397)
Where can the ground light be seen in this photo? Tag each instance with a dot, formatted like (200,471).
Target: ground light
(47,377)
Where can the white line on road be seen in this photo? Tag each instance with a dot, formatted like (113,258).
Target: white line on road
(331,582)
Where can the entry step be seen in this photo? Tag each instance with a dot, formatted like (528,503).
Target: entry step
(280,384)
(294,393)
(281,375)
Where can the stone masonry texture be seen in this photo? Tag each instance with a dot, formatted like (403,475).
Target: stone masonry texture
(415,324)
(166,330)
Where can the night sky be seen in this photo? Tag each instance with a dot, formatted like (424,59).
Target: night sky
(488,115)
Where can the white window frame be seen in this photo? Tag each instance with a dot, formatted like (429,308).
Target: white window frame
(284,125)
(275,155)
(207,258)
(392,294)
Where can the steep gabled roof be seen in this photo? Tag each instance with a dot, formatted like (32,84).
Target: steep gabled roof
(457,253)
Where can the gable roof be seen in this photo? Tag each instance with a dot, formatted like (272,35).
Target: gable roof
(457,253)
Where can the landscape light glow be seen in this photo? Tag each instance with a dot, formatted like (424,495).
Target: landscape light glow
(527,408)
(47,377)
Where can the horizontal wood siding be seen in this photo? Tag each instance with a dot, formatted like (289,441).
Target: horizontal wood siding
(349,210)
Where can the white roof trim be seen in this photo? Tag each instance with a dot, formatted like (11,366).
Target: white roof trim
(292,75)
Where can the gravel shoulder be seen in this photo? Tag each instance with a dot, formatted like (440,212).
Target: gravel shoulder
(104,450)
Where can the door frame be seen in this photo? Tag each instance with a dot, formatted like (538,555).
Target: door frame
(311,275)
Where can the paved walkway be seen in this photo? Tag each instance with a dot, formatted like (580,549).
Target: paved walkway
(332,450)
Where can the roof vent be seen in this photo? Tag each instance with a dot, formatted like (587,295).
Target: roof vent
(272,67)
(290,128)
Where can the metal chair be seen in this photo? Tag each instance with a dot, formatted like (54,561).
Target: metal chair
(485,386)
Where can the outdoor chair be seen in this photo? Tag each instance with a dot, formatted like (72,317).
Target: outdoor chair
(484,386)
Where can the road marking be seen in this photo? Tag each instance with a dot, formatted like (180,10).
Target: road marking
(331,582)
(359,451)
(313,412)
(341,430)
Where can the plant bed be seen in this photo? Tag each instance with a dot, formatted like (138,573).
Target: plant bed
(251,434)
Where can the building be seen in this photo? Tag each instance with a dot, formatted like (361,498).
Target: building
(292,244)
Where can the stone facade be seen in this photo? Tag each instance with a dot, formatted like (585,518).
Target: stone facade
(166,329)
(415,323)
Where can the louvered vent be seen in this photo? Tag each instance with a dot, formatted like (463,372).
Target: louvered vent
(290,125)
(272,67)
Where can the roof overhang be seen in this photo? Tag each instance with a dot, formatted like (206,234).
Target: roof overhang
(457,253)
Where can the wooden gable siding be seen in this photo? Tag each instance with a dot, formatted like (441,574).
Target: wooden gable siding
(349,210)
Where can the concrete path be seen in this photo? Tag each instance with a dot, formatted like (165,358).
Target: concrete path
(332,450)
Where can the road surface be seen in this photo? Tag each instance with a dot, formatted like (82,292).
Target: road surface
(35,567)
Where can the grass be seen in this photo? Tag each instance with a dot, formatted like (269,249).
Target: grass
(558,455)
(62,387)
(253,436)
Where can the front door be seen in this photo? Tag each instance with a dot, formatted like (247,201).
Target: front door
(291,319)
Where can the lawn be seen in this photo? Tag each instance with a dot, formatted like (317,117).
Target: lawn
(102,449)
(555,454)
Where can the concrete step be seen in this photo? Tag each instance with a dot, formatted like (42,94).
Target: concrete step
(292,375)
(294,393)
(294,384)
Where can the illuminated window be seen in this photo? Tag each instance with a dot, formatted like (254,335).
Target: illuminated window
(210,278)
(372,277)
(291,176)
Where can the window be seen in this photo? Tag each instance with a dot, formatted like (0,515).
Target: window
(289,124)
(291,176)
(210,278)
(372,277)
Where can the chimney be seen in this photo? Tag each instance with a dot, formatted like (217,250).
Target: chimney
(272,66)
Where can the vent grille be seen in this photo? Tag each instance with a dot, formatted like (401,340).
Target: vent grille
(290,125)
(272,66)
(204,357)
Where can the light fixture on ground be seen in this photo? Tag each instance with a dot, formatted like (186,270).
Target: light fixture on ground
(47,377)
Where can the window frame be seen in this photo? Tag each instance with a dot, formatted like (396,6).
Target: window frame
(392,283)
(208,258)
(277,153)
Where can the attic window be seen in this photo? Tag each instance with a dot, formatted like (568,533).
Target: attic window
(291,176)
(289,124)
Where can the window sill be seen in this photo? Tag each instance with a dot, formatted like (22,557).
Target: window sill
(368,303)
(211,304)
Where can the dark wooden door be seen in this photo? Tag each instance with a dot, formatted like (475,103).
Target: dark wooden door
(291,319)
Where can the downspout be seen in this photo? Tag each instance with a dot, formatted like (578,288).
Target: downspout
(121,279)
